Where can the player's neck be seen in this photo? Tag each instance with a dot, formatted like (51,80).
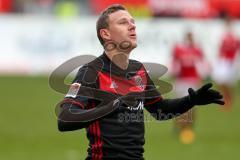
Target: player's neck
(120,59)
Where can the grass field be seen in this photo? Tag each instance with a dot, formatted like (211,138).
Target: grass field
(28,129)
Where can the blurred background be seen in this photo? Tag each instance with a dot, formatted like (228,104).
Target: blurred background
(36,36)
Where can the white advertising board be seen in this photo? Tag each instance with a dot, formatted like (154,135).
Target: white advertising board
(33,45)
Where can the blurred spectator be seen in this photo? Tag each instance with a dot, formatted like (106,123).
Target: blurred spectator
(187,57)
(225,70)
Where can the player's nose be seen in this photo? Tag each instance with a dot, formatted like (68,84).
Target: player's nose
(132,26)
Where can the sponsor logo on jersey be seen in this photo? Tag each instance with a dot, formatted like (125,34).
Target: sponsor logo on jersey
(139,107)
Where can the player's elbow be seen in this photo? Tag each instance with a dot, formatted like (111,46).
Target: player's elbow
(62,126)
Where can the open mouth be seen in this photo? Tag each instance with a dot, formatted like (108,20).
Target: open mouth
(133,36)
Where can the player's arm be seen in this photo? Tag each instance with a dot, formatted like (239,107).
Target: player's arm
(69,110)
(163,109)
(79,114)
(83,103)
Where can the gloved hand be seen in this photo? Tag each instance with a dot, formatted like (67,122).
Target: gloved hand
(205,95)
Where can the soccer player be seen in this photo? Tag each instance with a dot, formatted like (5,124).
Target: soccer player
(186,60)
(225,70)
(115,130)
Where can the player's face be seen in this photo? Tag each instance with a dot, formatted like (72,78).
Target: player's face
(189,38)
(122,28)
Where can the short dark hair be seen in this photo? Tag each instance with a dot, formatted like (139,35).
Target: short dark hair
(102,21)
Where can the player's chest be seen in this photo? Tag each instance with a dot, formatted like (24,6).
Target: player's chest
(122,85)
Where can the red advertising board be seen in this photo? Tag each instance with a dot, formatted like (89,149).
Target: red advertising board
(137,7)
(5,6)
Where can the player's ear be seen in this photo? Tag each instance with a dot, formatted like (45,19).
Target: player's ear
(105,34)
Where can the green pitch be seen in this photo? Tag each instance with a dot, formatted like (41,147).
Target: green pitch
(28,128)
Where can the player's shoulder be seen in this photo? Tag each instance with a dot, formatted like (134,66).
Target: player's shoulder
(135,65)
(87,74)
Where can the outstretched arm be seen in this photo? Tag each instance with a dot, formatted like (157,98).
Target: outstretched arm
(163,109)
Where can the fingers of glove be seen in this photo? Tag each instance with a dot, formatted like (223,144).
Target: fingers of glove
(214,94)
(191,92)
(218,101)
(205,87)
(219,96)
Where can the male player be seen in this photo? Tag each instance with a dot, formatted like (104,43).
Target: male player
(122,88)
(187,59)
(226,70)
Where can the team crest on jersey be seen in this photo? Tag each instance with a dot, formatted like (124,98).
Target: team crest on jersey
(139,82)
(73,90)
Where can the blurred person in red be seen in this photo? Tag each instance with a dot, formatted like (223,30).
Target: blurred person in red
(186,62)
(225,69)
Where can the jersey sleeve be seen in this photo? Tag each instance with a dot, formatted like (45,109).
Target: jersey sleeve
(73,103)
(86,76)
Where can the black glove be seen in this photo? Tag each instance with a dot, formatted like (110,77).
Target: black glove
(205,95)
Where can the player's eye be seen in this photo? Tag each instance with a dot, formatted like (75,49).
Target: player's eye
(123,22)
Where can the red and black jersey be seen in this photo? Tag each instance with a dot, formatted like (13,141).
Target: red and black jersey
(119,134)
